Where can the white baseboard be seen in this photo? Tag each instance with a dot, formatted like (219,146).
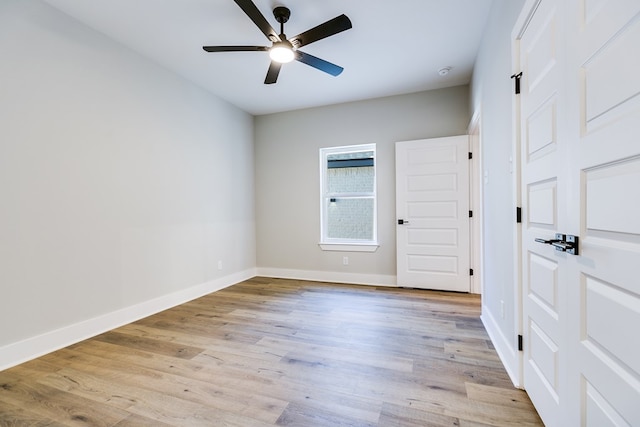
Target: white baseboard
(505,347)
(329,276)
(31,348)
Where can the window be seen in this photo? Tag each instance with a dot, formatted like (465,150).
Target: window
(348,198)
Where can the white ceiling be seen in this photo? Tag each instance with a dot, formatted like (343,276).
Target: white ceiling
(394,47)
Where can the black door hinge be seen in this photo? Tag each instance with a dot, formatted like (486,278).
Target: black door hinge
(470,155)
(517,77)
(518,215)
(470,214)
(471,272)
(520,346)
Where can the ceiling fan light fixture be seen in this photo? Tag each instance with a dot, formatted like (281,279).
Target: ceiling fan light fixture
(284,49)
(281,52)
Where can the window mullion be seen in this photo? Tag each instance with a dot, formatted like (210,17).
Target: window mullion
(350,195)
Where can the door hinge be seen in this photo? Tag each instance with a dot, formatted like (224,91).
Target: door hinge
(520,346)
(470,155)
(518,214)
(517,77)
(471,272)
(470,214)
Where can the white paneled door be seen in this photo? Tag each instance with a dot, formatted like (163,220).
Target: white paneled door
(580,170)
(432,208)
(543,190)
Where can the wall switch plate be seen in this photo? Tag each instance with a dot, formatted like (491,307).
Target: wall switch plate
(345,260)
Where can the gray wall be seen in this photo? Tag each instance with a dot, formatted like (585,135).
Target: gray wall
(119,182)
(491,98)
(287,178)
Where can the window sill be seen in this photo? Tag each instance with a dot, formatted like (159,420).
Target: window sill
(349,247)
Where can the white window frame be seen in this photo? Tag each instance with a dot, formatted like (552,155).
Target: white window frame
(349,245)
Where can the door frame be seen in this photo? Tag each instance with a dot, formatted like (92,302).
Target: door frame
(475,203)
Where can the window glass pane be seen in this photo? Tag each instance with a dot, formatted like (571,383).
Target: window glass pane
(348,194)
(350,179)
(350,218)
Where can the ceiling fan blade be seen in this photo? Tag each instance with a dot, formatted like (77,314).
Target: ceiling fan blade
(258,18)
(329,28)
(318,63)
(272,73)
(235,48)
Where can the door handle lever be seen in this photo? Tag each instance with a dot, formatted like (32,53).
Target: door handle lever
(559,238)
(548,242)
(562,246)
(563,243)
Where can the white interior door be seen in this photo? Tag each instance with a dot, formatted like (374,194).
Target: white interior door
(432,208)
(580,166)
(543,189)
(604,174)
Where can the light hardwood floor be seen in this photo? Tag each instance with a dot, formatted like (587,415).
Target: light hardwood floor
(279,352)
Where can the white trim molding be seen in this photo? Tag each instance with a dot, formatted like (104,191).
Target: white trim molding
(330,276)
(507,351)
(344,247)
(31,348)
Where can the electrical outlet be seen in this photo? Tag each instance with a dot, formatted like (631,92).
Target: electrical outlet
(220,265)
(345,260)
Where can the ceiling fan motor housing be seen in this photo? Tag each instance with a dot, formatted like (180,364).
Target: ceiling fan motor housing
(281,14)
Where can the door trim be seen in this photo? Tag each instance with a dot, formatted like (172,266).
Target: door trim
(475,203)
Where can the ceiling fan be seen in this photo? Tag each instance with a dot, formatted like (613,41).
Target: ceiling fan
(283,50)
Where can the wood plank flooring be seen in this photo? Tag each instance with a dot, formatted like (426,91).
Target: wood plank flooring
(270,352)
